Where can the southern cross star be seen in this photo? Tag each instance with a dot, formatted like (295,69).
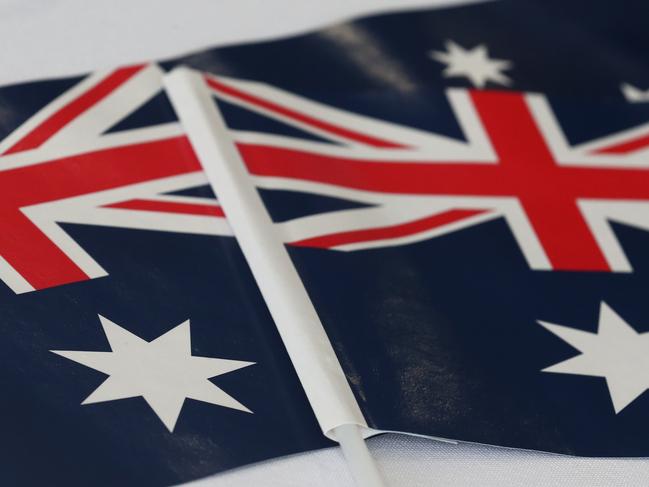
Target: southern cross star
(164,371)
(474,64)
(616,352)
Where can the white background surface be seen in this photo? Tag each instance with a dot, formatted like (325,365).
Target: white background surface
(42,38)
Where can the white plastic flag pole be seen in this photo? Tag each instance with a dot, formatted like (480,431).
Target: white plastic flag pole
(295,317)
(361,464)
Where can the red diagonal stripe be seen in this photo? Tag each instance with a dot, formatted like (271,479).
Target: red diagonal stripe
(169,207)
(626,147)
(300,117)
(389,232)
(30,252)
(69,112)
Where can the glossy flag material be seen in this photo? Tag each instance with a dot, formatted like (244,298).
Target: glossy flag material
(124,294)
(469,216)
(463,191)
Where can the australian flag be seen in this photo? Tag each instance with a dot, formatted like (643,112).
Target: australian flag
(464,192)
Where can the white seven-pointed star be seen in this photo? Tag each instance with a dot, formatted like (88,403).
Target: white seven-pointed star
(473,64)
(164,371)
(616,352)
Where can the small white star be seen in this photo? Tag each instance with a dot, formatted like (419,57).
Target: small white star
(633,94)
(164,371)
(473,64)
(616,352)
